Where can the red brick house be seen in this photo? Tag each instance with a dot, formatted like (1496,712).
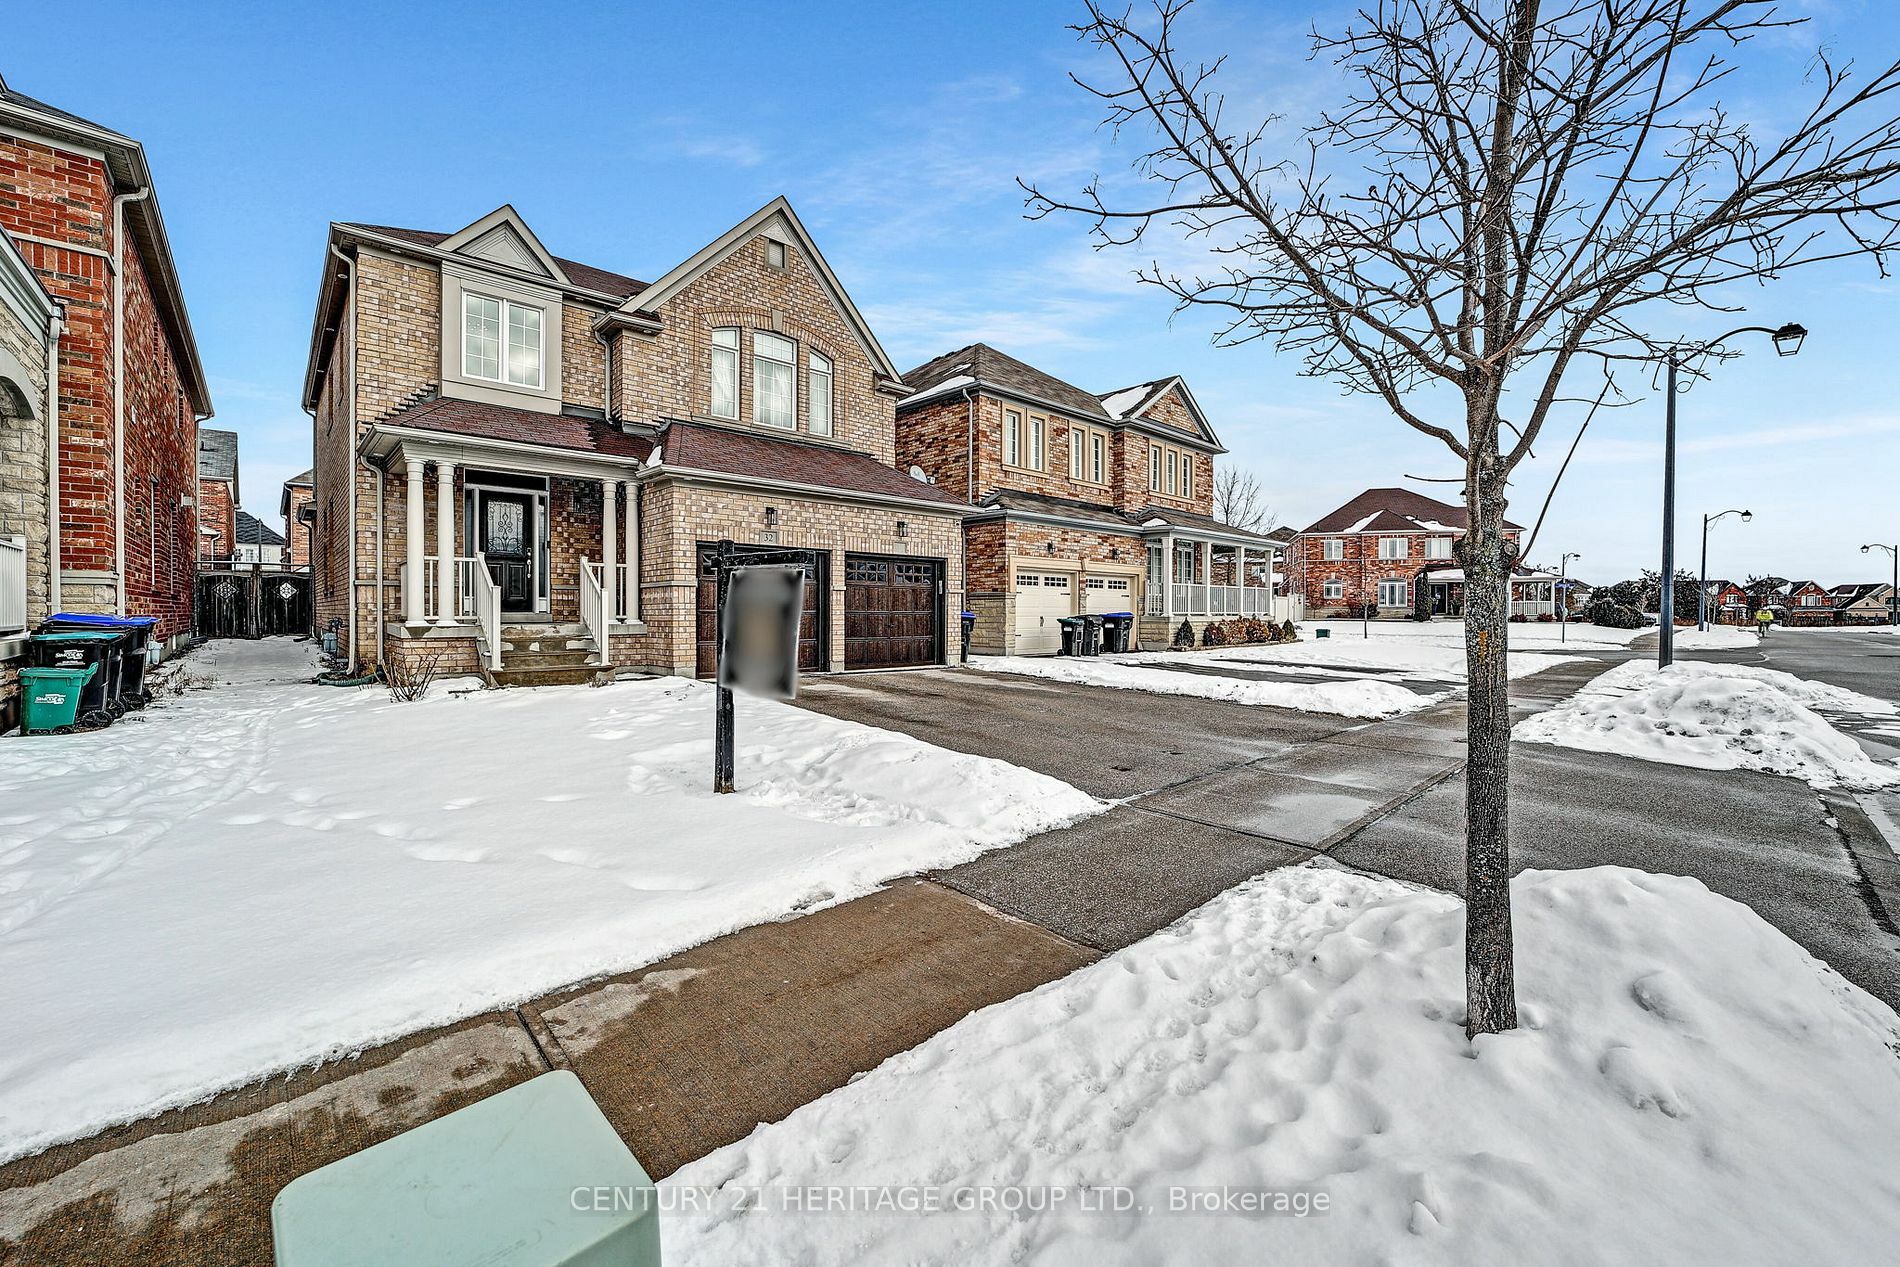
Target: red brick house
(217,493)
(296,506)
(1086,503)
(524,463)
(1728,603)
(1385,544)
(78,202)
(1808,603)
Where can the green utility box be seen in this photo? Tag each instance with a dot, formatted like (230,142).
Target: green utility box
(532,1177)
(51,698)
(1322,633)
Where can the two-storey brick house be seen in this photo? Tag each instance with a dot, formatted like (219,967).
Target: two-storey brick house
(294,504)
(1379,550)
(217,493)
(1086,503)
(119,476)
(521,460)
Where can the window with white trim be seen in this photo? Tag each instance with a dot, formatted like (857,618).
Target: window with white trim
(1098,457)
(1187,475)
(1154,468)
(1088,455)
(1013,437)
(1438,547)
(818,394)
(1333,589)
(1393,594)
(1038,430)
(774,381)
(725,373)
(1174,478)
(1078,448)
(1332,548)
(501,341)
(1394,547)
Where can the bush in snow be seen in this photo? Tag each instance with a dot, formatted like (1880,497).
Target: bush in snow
(1613,615)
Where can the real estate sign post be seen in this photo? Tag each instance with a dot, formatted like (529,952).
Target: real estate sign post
(759,606)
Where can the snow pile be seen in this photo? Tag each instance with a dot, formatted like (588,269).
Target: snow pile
(1353,697)
(1717,638)
(1524,635)
(257,876)
(1689,1086)
(1718,717)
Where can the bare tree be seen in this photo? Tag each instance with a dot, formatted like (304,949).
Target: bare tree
(1505,188)
(1240,500)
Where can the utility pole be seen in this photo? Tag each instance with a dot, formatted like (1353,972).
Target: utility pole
(1893,593)
(1702,576)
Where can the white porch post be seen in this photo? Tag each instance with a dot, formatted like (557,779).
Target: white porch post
(415,544)
(632,528)
(609,544)
(1167,580)
(1266,576)
(1204,554)
(445,543)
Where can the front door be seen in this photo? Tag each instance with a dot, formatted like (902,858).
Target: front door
(505,537)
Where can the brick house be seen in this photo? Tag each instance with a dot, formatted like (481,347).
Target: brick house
(77,201)
(1728,603)
(1863,604)
(1387,545)
(217,493)
(29,333)
(1085,503)
(1808,603)
(297,508)
(523,463)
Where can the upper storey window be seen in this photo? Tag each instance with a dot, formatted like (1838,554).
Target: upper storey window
(818,394)
(725,373)
(774,381)
(501,341)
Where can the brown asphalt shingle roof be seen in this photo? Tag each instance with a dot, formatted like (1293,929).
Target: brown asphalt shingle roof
(1110,518)
(983,362)
(1394,510)
(732,452)
(585,276)
(521,426)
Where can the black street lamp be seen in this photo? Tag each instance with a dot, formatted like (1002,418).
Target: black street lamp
(1787,341)
(1702,576)
(1563,596)
(1893,594)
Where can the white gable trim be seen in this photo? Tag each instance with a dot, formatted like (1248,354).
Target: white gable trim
(775,219)
(506,219)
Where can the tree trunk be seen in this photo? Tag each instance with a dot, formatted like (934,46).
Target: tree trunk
(1490,981)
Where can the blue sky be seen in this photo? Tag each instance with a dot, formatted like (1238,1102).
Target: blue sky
(630,134)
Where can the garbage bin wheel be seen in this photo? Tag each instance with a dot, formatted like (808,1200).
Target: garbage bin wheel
(137,701)
(97,719)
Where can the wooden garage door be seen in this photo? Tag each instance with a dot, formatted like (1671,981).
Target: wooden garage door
(893,614)
(1042,599)
(814,652)
(1104,594)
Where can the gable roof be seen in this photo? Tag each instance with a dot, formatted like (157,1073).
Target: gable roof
(519,426)
(218,456)
(775,218)
(1134,523)
(697,446)
(1395,510)
(582,276)
(252,531)
(145,226)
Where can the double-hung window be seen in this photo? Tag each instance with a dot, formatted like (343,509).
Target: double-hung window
(1013,437)
(501,341)
(1154,468)
(1038,430)
(1333,548)
(1088,455)
(1438,547)
(1174,478)
(725,373)
(1392,593)
(1078,451)
(818,394)
(1393,547)
(1187,475)
(774,381)
(1098,457)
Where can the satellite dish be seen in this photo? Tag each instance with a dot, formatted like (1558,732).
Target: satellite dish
(917,473)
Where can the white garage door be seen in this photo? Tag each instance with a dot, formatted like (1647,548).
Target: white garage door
(1104,594)
(1042,598)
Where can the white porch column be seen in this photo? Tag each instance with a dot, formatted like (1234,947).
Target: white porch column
(609,545)
(446,606)
(415,544)
(1266,575)
(1204,554)
(1167,580)
(632,529)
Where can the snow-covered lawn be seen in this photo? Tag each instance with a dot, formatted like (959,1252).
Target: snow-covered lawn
(1415,658)
(1348,697)
(260,875)
(1688,1086)
(1525,635)
(1718,717)
(1716,638)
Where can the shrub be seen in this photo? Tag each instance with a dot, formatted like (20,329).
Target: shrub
(1183,636)
(1546,619)
(1613,615)
(408,677)
(1288,633)
(1215,635)
(1260,630)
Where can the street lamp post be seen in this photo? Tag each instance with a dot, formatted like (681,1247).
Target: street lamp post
(1893,594)
(1702,576)
(1563,596)
(1787,340)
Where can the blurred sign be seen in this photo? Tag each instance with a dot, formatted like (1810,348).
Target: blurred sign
(758,650)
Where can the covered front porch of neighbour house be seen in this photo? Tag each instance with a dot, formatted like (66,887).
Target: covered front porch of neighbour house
(488,535)
(1196,575)
(1533,594)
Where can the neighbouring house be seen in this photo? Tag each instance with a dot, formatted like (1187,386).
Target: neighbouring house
(217,493)
(298,508)
(1391,552)
(1085,503)
(77,201)
(1863,604)
(29,331)
(257,541)
(524,465)
(1808,603)
(1728,603)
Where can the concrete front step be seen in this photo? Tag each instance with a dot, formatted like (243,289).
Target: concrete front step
(548,675)
(571,659)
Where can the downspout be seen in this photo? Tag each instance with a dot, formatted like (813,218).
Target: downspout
(54,329)
(349,588)
(969,483)
(118,384)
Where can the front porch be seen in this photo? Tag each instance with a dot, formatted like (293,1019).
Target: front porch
(1206,577)
(1533,594)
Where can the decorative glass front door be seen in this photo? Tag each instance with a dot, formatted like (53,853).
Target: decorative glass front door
(506,541)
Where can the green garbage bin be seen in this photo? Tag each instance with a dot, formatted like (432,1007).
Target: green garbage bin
(50,698)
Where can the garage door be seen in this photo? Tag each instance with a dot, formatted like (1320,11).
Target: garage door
(893,613)
(1042,598)
(1104,594)
(813,642)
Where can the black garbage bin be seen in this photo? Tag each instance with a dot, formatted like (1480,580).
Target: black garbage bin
(969,626)
(1117,630)
(99,703)
(1072,634)
(1091,635)
(134,656)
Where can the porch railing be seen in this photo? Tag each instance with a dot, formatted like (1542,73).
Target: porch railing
(1217,600)
(594,615)
(12,584)
(483,598)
